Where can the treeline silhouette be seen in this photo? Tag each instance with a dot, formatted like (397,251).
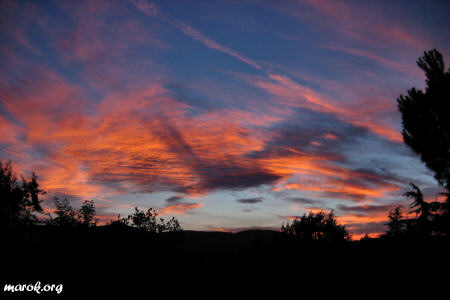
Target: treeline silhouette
(21,209)
(70,246)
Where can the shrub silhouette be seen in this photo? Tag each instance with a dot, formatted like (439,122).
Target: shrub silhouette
(316,227)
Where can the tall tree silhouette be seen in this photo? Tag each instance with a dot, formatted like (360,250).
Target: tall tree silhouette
(425,117)
(18,202)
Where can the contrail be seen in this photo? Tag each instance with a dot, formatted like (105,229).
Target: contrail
(151,10)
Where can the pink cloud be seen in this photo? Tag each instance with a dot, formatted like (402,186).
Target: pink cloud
(367,24)
(293,94)
(146,7)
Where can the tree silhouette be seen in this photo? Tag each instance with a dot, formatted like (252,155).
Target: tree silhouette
(147,221)
(445,224)
(442,220)
(316,226)
(426,219)
(65,215)
(425,117)
(422,208)
(170,226)
(144,220)
(396,223)
(32,192)
(18,202)
(86,215)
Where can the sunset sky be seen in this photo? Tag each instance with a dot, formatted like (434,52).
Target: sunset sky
(228,115)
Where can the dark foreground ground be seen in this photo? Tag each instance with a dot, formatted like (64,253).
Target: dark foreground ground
(102,264)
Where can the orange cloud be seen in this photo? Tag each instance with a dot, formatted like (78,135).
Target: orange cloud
(179,208)
(219,229)
(323,177)
(330,136)
(369,218)
(140,140)
(358,236)
(359,225)
(144,140)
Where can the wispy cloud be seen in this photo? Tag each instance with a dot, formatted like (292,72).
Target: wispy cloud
(405,68)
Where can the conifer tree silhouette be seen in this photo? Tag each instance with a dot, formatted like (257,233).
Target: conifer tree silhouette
(396,223)
(425,117)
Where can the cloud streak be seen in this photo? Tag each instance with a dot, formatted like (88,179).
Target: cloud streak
(210,43)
